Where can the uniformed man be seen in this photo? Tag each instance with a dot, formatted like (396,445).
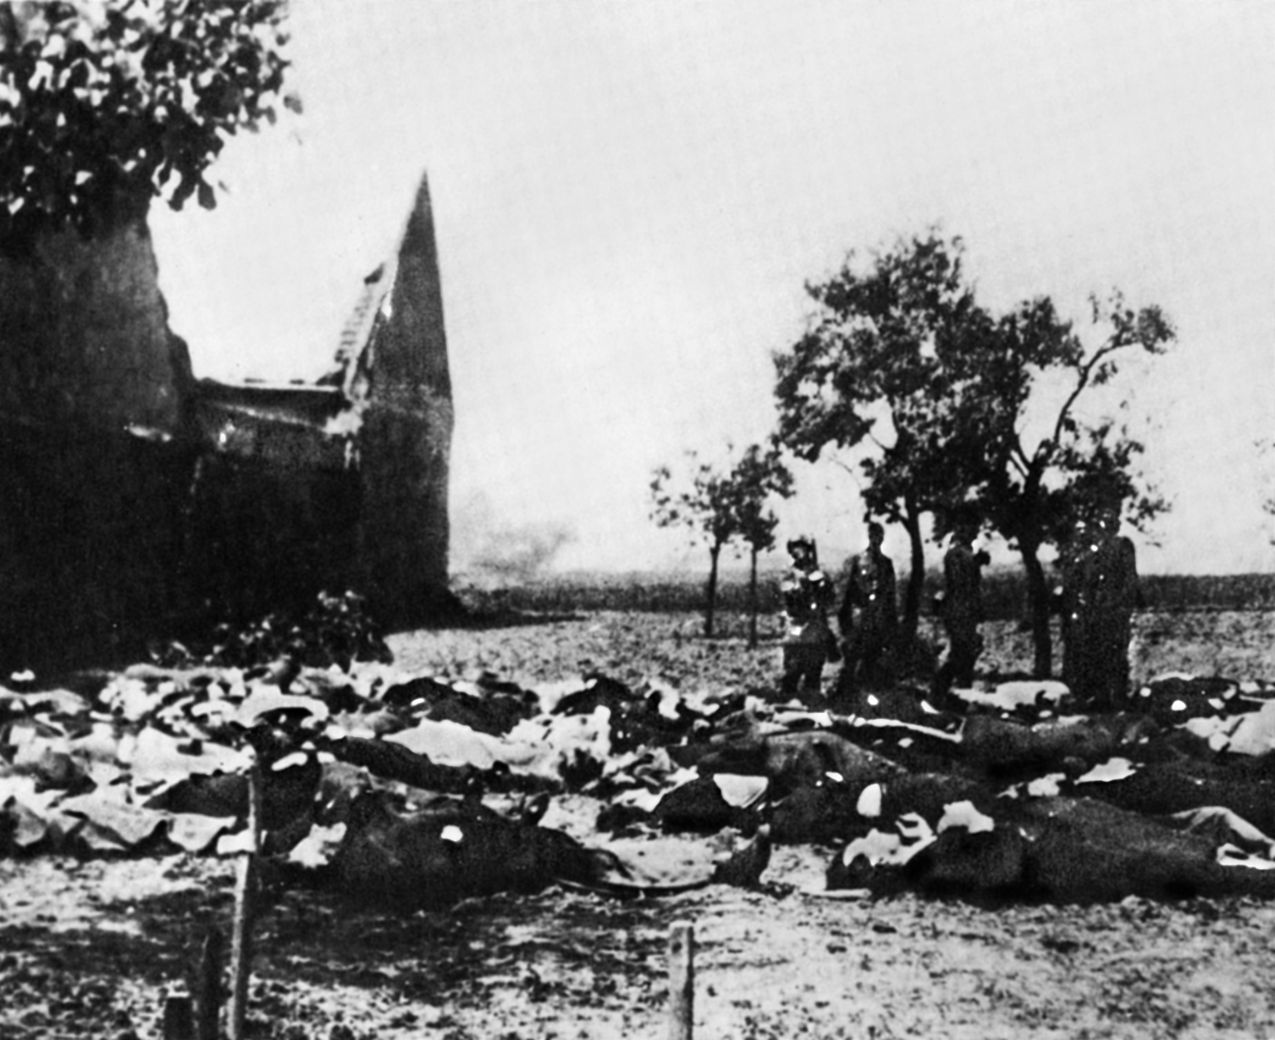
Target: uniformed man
(808,595)
(1100,591)
(868,615)
(961,609)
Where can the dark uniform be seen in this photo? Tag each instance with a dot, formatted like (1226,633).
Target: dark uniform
(962,610)
(868,618)
(808,595)
(1100,591)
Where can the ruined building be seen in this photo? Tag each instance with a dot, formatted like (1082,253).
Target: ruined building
(135,497)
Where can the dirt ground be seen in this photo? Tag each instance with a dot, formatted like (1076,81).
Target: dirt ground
(90,949)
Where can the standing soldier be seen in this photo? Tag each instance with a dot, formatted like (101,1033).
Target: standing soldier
(1100,591)
(868,617)
(961,609)
(808,596)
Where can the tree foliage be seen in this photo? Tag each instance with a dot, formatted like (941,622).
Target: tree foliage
(877,369)
(756,479)
(1033,493)
(704,508)
(1036,491)
(105,106)
(935,392)
(720,504)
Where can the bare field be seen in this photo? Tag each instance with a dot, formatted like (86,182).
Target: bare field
(89,949)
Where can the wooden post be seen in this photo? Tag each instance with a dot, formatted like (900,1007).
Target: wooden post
(207,985)
(241,934)
(681,980)
(752,601)
(179,1022)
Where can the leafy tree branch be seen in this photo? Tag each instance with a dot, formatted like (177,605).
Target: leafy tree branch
(105,106)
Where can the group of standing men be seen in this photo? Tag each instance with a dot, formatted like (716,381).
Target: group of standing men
(867,617)
(1099,593)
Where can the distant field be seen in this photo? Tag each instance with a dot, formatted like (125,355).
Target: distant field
(1004,592)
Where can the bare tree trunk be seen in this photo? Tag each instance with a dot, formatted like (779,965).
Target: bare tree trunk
(752,601)
(713,553)
(1038,606)
(916,578)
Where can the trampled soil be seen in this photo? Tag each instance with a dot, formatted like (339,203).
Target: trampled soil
(89,949)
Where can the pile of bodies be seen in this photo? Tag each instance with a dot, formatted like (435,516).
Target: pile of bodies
(384,787)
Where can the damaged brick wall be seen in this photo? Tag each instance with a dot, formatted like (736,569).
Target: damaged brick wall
(85,335)
(133,499)
(261,539)
(93,458)
(89,536)
(275,499)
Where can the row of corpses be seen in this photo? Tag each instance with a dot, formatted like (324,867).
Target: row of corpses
(383,787)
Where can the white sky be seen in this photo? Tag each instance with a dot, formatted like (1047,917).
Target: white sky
(629,197)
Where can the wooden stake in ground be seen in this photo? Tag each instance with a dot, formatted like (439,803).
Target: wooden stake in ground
(681,980)
(241,935)
(207,985)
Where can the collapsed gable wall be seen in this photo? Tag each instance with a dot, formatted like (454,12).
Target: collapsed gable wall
(358,463)
(404,438)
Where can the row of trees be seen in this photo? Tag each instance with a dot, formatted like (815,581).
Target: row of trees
(903,376)
(724,505)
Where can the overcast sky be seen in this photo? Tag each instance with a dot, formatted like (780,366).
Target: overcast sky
(629,197)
